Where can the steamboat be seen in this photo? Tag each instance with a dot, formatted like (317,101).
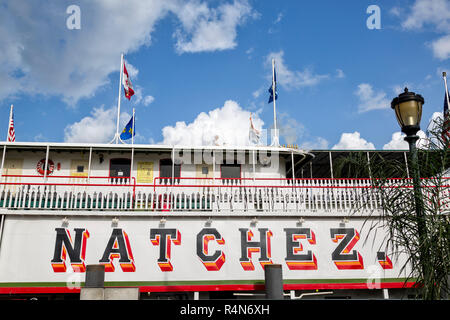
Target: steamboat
(179,222)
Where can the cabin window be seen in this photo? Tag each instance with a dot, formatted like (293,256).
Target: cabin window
(165,171)
(119,170)
(231,171)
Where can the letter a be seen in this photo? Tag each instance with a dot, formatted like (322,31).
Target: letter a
(74,20)
(373,21)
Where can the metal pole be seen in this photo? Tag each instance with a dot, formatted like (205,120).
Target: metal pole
(46,163)
(421,223)
(331,165)
(276,142)
(273,281)
(292,164)
(116,137)
(3,161)
(89,165)
(132,148)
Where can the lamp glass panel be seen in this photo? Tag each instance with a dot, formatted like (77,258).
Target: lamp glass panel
(409,112)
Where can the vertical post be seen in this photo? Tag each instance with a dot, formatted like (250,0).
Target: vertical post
(95,276)
(421,222)
(3,161)
(132,148)
(276,141)
(331,165)
(89,165)
(173,165)
(94,285)
(406,163)
(118,101)
(293,165)
(214,167)
(444,75)
(368,164)
(46,163)
(254,165)
(273,281)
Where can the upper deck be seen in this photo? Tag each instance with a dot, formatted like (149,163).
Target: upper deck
(61,178)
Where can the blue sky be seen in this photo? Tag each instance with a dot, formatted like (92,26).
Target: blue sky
(201,67)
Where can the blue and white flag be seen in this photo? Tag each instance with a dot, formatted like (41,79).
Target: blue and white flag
(274,82)
(128,131)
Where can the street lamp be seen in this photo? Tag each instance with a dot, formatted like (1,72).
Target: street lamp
(408,109)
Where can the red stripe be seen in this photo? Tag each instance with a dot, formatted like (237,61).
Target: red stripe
(225,287)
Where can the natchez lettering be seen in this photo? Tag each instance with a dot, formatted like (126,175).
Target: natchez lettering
(119,248)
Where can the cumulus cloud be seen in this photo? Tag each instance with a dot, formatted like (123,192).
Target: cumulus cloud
(371,100)
(425,12)
(293,79)
(210,29)
(353,141)
(435,14)
(398,141)
(441,47)
(227,125)
(99,127)
(41,56)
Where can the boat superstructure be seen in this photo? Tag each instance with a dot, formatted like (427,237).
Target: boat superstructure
(177,220)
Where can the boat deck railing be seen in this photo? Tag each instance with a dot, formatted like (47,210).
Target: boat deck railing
(185,194)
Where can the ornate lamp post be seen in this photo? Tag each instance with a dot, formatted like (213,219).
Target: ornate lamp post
(408,109)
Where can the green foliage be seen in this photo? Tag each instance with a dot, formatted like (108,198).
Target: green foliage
(428,254)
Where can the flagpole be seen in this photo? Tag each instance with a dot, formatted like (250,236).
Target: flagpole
(444,75)
(116,136)
(132,148)
(9,123)
(275,137)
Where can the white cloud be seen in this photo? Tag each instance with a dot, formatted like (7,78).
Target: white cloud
(316,144)
(340,74)
(289,128)
(41,56)
(292,79)
(353,141)
(100,127)
(147,100)
(435,14)
(441,47)
(226,125)
(429,12)
(398,143)
(371,100)
(210,29)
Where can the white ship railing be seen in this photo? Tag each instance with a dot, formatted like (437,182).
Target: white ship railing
(218,195)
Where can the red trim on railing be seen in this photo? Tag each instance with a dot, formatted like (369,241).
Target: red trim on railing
(232,185)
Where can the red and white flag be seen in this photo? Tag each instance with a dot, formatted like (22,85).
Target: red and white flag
(11,133)
(127,83)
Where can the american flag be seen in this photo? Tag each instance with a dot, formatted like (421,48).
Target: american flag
(11,132)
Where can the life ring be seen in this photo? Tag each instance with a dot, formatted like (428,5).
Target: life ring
(41,165)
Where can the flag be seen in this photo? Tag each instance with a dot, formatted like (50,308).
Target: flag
(127,83)
(253,134)
(274,82)
(11,132)
(128,131)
